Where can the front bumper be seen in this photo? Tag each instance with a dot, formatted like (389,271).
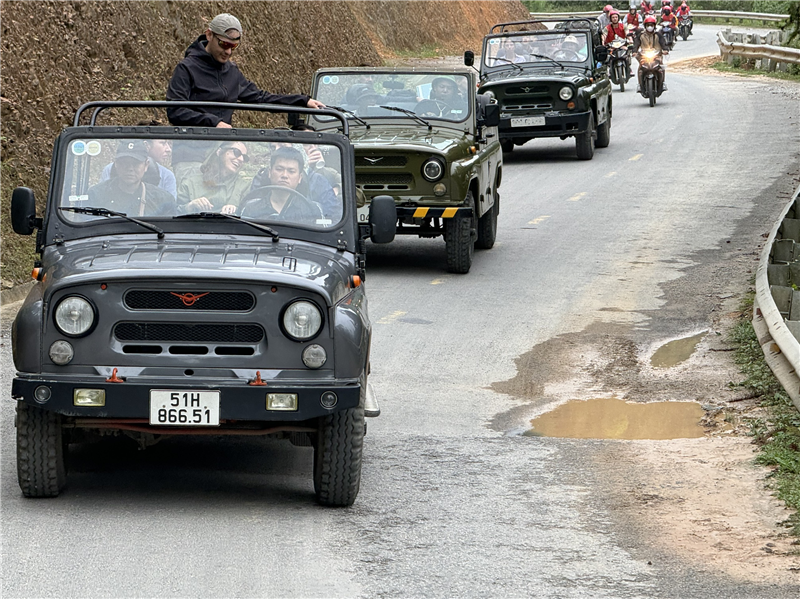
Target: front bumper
(427,212)
(238,400)
(555,125)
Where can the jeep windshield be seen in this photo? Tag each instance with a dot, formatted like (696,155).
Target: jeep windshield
(370,95)
(536,49)
(154,180)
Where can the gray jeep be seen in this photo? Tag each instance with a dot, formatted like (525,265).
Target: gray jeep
(153,316)
(425,138)
(550,79)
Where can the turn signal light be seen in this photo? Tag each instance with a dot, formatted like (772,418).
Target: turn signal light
(355,281)
(570,105)
(37,271)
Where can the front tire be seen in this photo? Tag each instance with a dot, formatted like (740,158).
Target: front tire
(459,243)
(604,134)
(621,77)
(584,142)
(651,91)
(487,225)
(338,451)
(41,470)
(507,145)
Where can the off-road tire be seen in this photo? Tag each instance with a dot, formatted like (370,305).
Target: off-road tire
(604,134)
(507,145)
(584,142)
(459,241)
(41,470)
(487,225)
(338,449)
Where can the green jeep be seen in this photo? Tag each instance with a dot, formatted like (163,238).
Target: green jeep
(425,138)
(551,82)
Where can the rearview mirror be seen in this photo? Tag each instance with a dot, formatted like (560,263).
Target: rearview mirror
(382,219)
(23,211)
(601,53)
(491,115)
(469,58)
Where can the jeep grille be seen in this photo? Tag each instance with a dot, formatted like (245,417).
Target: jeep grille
(183,300)
(547,106)
(534,89)
(188,332)
(379,181)
(381,161)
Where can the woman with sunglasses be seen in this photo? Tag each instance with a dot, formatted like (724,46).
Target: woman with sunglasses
(218,185)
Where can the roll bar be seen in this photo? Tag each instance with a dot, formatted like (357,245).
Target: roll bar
(101,105)
(503,26)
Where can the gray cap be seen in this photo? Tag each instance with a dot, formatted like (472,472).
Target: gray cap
(223,22)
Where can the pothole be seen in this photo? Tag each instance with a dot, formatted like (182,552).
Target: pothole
(676,351)
(615,419)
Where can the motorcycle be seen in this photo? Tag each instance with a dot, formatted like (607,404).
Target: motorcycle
(685,27)
(669,35)
(619,67)
(652,68)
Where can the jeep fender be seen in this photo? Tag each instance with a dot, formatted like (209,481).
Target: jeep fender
(352,333)
(26,332)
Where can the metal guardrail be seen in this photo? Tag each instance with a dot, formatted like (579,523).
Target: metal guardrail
(776,309)
(774,54)
(719,14)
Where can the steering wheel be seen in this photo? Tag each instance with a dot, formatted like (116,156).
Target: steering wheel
(253,195)
(442,107)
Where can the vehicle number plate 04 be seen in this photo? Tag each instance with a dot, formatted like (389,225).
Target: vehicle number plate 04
(184,408)
(527,121)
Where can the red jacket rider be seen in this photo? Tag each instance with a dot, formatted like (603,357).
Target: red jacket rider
(615,29)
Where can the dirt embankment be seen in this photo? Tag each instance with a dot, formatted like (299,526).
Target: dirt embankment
(58,55)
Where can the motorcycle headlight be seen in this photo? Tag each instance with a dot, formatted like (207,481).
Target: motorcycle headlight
(302,320)
(432,169)
(565,93)
(74,316)
(489,94)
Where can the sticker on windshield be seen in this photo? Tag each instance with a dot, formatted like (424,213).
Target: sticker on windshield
(326,80)
(79,148)
(493,42)
(326,222)
(335,79)
(93,148)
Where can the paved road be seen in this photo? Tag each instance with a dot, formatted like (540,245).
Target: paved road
(453,501)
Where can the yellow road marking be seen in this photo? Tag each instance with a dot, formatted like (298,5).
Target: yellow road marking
(637,157)
(437,282)
(449,212)
(577,197)
(538,220)
(388,319)
(611,174)
(420,212)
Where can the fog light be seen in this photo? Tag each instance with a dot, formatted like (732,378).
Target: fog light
(314,356)
(281,401)
(61,352)
(41,394)
(440,189)
(328,400)
(89,397)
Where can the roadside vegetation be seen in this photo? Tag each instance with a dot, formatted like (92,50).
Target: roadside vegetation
(777,434)
(747,68)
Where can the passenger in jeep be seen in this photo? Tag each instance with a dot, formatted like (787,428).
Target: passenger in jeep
(289,204)
(218,185)
(125,191)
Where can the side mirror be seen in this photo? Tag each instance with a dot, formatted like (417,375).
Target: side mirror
(382,219)
(491,115)
(23,211)
(601,53)
(469,58)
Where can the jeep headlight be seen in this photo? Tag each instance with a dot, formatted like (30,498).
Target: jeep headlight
(565,93)
(432,169)
(74,316)
(302,320)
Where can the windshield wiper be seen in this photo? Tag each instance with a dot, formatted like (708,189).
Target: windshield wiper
(548,58)
(513,64)
(410,113)
(104,212)
(350,113)
(214,215)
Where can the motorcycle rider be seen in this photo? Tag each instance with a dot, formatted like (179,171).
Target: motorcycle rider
(632,19)
(684,12)
(603,18)
(647,8)
(614,30)
(650,39)
(669,21)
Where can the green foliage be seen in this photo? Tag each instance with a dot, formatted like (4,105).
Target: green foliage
(778,434)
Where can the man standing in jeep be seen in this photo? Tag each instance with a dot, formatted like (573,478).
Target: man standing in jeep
(207,73)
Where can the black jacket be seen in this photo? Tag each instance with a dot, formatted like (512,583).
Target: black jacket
(200,77)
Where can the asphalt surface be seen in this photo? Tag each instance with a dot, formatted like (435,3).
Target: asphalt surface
(454,502)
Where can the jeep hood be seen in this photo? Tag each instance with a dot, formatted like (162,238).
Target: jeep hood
(318,269)
(440,139)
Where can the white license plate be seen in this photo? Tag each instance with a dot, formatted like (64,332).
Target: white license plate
(184,408)
(527,121)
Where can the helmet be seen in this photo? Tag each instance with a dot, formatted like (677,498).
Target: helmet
(649,19)
(632,10)
(571,40)
(666,11)
(607,8)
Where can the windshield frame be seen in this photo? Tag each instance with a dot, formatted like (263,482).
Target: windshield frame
(57,227)
(397,118)
(553,62)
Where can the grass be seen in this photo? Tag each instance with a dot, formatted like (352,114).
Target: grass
(777,435)
(748,69)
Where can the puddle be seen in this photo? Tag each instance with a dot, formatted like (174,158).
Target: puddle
(676,351)
(615,419)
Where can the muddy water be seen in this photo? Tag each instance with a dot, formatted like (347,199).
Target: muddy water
(615,419)
(676,351)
